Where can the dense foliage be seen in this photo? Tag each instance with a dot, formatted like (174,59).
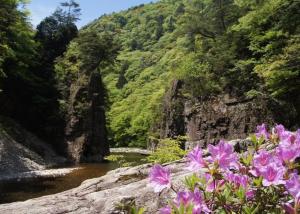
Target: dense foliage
(265,179)
(242,47)
(27,79)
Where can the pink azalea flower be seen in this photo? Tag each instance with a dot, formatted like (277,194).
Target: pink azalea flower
(287,152)
(165,210)
(223,154)
(262,160)
(159,178)
(273,175)
(288,139)
(237,180)
(261,131)
(279,130)
(212,184)
(293,185)
(195,159)
(297,138)
(192,198)
(183,198)
(199,204)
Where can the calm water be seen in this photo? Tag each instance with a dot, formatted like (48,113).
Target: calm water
(21,191)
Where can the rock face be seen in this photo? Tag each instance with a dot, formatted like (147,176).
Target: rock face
(224,116)
(86,135)
(21,151)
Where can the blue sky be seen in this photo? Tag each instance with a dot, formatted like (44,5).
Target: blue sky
(90,9)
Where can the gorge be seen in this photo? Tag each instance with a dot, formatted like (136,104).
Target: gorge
(202,70)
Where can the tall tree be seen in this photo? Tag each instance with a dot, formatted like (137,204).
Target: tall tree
(55,32)
(17,49)
(53,35)
(72,11)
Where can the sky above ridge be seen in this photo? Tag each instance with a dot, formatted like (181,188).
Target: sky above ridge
(90,9)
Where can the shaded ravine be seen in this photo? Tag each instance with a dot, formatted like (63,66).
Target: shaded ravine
(23,190)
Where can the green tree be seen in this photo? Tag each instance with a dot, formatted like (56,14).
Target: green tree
(72,11)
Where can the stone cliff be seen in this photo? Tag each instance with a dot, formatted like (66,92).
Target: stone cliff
(85,134)
(225,116)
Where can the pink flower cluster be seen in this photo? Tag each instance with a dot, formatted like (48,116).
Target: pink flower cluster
(225,174)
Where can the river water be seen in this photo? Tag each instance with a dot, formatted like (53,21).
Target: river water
(24,190)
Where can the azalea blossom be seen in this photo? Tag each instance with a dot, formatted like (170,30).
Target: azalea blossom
(293,185)
(280,131)
(183,198)
(159,178)
(274,167)
(273,175)
(199,203)
(165,210)
(195,159)
(288,152)
(261,131)
(289,147)
(212,184)
(237,179)
(223,154)
(261,160)
(297,137)
(194,199)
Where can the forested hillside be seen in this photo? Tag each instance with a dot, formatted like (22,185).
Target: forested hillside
(244,47)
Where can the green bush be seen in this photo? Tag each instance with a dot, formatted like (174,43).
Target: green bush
(167,150)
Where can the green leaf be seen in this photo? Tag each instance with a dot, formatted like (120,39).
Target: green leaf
(258,181)
(191,181)
(241,193)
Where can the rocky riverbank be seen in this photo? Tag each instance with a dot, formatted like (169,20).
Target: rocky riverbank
(113,193)
(47,173)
